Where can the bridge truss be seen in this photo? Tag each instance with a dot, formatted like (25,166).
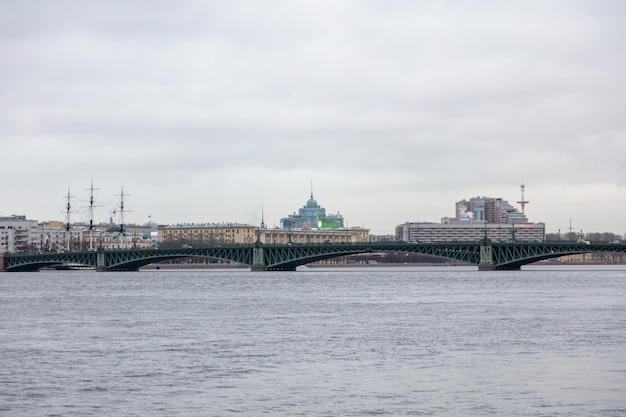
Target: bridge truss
(288,257)
(487,255)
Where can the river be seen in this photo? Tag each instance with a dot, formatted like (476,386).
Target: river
(431,341)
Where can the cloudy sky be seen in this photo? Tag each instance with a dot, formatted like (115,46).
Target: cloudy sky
(206,111)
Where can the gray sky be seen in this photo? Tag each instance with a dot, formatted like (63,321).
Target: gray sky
(206,110)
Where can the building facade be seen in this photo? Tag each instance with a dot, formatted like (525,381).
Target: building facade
(312,216)
(469,231)
(490,210)
(313,236)
(54,237)
(18,234)
(476,218)
(206,234)
(7,240)
(232,233)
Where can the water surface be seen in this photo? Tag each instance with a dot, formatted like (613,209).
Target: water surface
(317,342)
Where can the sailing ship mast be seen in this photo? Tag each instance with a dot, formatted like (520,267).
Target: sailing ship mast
(122,211)
(91,201)
(68,235)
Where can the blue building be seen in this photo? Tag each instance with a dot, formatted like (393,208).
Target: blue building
(312,216)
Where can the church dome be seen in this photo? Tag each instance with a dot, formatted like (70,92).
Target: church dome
(312,203)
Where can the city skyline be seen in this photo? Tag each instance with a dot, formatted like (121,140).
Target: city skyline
(80,214)
(220,111)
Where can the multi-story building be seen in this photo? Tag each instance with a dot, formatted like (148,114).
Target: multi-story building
(312,216)
(113,236)
(227,233)
(299,236)
(17,234)
(206,233)
(54,236)
(469,230)
(7,239)
(476,218)
(488,209)
(382,238)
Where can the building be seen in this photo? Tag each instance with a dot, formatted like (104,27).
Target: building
(206,234)
(468,231)
(54,237)
(233,233)
(488,209)
(476,218)
(312,216)
(7,239)
(382,238)
(17,234)
(112,236)
(312,236)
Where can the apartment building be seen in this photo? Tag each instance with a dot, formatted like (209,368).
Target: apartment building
(469,231)
(18,234)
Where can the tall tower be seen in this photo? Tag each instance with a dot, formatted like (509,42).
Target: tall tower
(523,202)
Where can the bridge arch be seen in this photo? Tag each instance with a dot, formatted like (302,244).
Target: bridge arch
(486,254)
(288,257)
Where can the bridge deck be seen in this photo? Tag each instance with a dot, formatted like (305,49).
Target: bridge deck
(486,255)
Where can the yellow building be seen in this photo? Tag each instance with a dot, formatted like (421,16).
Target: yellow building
(231,233)
(206,234)
(343,235)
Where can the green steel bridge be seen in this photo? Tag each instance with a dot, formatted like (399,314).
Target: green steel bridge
(486,254)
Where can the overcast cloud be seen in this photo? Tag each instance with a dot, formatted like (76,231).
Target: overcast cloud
(207,110)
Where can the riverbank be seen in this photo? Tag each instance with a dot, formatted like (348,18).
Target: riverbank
(188,266)
(194,266)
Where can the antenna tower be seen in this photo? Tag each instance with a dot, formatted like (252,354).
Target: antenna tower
(523,202)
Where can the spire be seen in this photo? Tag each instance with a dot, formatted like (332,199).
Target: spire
(263,217)
(311,188)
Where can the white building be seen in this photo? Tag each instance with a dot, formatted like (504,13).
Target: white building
(469,231)
(17,234)
(7,239)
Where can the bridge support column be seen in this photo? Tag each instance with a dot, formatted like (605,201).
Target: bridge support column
(486,256)
(258,259)
(101,262)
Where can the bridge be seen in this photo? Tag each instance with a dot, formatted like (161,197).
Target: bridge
(486,254)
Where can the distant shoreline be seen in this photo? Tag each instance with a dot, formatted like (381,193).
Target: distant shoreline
(376,265)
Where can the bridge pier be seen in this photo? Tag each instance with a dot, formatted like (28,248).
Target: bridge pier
(258,259)
(101,262)
(486,256)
